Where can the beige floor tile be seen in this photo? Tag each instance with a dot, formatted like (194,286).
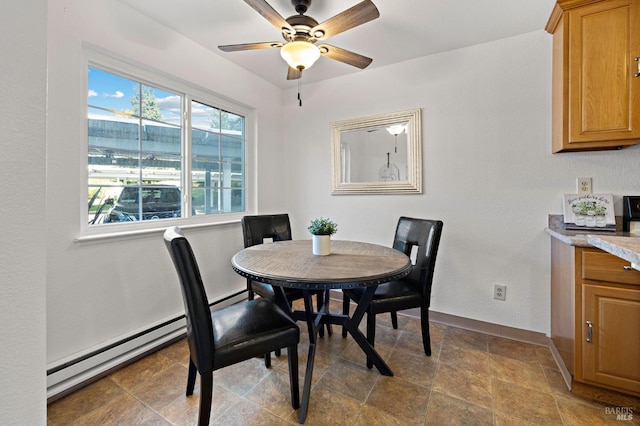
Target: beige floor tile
(463,384)
(518,372)
(464,357)
(521,351)
(154,391)
(243,376)
(401,399)
(370,416)
(349,379)
(419,369)
(556,381)
(122,410)
(466,339)
(327,407)
(524,403)
(273,393)
(178,352)
(446,410)
(83,401)
(246,413)
(411,343)
(142,370)
(545,358)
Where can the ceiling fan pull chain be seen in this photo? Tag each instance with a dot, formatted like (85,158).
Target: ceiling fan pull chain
(300,91)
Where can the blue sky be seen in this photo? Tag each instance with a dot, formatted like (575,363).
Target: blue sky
(113,92)
(110,91)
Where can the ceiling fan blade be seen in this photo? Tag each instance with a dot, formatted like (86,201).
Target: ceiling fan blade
(249,46)
(345,56)
(293,74)
(269,13)
(359,14)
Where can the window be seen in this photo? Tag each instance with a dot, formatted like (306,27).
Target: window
(155,153)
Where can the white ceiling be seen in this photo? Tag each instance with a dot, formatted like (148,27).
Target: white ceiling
(406,29)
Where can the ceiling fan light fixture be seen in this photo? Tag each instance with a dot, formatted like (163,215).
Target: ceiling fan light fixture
(396,129)
(300,54)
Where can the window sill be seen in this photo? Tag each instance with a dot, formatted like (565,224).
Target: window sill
(88,237)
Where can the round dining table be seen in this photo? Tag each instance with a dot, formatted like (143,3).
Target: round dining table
(350,264)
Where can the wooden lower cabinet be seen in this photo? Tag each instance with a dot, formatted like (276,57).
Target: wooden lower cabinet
(598,332)
(610,340)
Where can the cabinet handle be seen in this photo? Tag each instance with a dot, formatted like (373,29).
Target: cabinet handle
(589,332)
(638,61)
(627,267)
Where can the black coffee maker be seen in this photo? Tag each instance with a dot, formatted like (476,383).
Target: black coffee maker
(631,213)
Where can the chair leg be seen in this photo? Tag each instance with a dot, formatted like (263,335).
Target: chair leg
(292,355)
(319,300)
(394,319)
(327,297)
(424,323)
(191,378)
(371,332)
(345,311)
(206,394)
(267,360)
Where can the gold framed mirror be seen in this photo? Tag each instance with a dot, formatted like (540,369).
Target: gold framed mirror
(378,154)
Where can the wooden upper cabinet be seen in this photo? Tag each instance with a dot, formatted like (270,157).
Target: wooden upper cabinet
(596,90)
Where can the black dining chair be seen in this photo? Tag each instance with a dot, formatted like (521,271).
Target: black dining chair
(275,227)
(412,291)
(230,335)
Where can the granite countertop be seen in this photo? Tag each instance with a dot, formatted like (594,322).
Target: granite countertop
(580,238)
(627,248)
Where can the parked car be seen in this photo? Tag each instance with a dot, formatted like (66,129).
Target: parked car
(158,202)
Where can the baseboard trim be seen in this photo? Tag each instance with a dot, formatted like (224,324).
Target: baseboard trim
(566,375)
(513,333)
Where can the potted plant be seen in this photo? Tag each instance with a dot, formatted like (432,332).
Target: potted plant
(321,231)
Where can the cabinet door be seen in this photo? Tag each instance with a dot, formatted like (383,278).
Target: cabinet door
(612,356)
(604,94)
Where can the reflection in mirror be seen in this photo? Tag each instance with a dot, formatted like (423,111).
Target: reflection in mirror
(377,154)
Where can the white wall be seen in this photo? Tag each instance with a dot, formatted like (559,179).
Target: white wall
(488,170)
(105,290)
(23,67)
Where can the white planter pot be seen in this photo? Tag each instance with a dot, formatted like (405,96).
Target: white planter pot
(321,244)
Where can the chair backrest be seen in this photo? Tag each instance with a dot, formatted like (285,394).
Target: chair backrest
(425,234)
(196,304)
(256,228)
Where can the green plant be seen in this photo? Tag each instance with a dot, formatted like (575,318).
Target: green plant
(322,226)
(601,211)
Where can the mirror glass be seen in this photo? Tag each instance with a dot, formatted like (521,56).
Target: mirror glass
(379,154)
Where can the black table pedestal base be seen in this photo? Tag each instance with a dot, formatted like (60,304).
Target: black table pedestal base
(315,318)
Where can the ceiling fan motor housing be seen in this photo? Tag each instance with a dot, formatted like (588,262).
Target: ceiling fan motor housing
(302,25)
(301,6)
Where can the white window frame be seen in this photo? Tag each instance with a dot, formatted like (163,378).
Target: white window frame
(189,92)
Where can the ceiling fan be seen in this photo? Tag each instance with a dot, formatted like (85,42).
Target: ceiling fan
(301,32)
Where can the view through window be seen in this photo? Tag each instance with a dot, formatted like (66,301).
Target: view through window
(138,138)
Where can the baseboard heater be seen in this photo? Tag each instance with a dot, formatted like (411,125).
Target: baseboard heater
(67,375)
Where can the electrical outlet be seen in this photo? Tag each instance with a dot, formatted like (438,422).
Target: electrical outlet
(500,292)
(584,186)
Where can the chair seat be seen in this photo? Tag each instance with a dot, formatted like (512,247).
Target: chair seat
(266,328)
(391,296)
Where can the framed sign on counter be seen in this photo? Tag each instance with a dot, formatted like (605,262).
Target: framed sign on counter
(587,211)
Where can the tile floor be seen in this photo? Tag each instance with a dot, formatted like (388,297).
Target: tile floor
(471,379)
